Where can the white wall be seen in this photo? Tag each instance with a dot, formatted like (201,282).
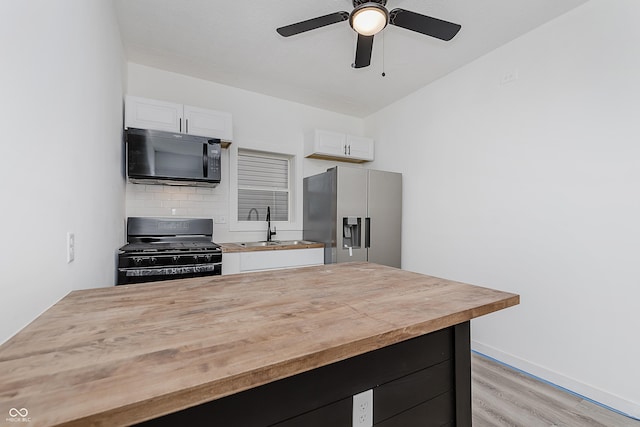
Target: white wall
(259,122)
(530,186)
(534,187)
(60,152)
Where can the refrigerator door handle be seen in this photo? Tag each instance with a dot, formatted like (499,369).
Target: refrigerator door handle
(367,232)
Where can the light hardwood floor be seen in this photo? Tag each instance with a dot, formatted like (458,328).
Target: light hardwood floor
(505,397)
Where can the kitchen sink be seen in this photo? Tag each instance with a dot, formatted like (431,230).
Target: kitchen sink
(259,244)
(295,242)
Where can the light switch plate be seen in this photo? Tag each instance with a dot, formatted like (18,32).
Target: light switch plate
(71,247)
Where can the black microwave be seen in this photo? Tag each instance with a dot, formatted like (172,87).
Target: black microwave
(156,157)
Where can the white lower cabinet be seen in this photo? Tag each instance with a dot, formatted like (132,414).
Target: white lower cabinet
(242,262)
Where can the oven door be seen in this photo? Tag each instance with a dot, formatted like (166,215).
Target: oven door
(128,276)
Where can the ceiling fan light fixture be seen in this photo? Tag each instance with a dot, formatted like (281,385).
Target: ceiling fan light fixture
(369,18)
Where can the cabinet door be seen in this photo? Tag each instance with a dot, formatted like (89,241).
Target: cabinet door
(230,263)
(339,146)
(145,113)
(359,147)
(211,123)
(271,260)
(331,143)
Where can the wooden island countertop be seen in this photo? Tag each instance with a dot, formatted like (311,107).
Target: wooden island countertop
(124,354)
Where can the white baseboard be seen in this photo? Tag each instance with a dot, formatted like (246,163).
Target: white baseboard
(600,397)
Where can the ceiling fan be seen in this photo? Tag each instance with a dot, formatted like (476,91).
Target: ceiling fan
(368,18)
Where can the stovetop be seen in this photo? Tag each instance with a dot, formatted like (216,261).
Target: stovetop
(158,242)
(171,253)
(172,246)
(168,248)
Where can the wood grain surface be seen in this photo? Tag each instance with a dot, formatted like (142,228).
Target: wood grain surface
(505,397)
(120,355)
(237,247)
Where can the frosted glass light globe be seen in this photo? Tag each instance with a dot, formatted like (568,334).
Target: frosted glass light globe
(369,20)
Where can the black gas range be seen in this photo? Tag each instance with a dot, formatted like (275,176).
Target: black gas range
(168,248)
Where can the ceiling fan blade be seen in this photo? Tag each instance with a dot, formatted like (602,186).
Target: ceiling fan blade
(363,51)
(312,24)
(427,25)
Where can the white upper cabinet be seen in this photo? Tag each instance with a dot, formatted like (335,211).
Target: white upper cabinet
(330,145)
(143,113)
(360,147)
(202,122)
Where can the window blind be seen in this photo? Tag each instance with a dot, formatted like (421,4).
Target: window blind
(263,181)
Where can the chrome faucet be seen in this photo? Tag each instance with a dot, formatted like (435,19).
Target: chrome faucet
(269,232)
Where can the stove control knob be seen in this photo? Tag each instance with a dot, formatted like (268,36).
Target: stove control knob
(207,257)
(137,260)
(196,258)
(175,259)
(153,260)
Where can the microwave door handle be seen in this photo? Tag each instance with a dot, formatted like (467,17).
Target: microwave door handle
(205,161)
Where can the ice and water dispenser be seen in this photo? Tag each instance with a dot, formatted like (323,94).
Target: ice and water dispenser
(351,233)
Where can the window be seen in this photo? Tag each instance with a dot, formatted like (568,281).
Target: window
(263,181)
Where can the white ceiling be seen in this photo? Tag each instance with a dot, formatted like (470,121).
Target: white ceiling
(235,43)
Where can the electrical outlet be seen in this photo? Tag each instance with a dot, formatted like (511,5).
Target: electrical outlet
(363,409)
(71,247)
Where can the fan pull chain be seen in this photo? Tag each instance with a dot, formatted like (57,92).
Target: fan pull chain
(383,73)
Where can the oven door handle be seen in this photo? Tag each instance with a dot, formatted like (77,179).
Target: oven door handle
(168,271)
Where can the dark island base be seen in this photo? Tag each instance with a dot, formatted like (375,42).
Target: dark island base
(425,381)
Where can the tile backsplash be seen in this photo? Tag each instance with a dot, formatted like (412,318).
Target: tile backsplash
(179,201)
(166,201)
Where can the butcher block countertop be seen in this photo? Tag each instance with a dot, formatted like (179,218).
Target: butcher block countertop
(240,247)
(124,354)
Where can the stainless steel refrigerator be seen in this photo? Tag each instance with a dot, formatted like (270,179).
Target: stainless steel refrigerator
(356,213)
